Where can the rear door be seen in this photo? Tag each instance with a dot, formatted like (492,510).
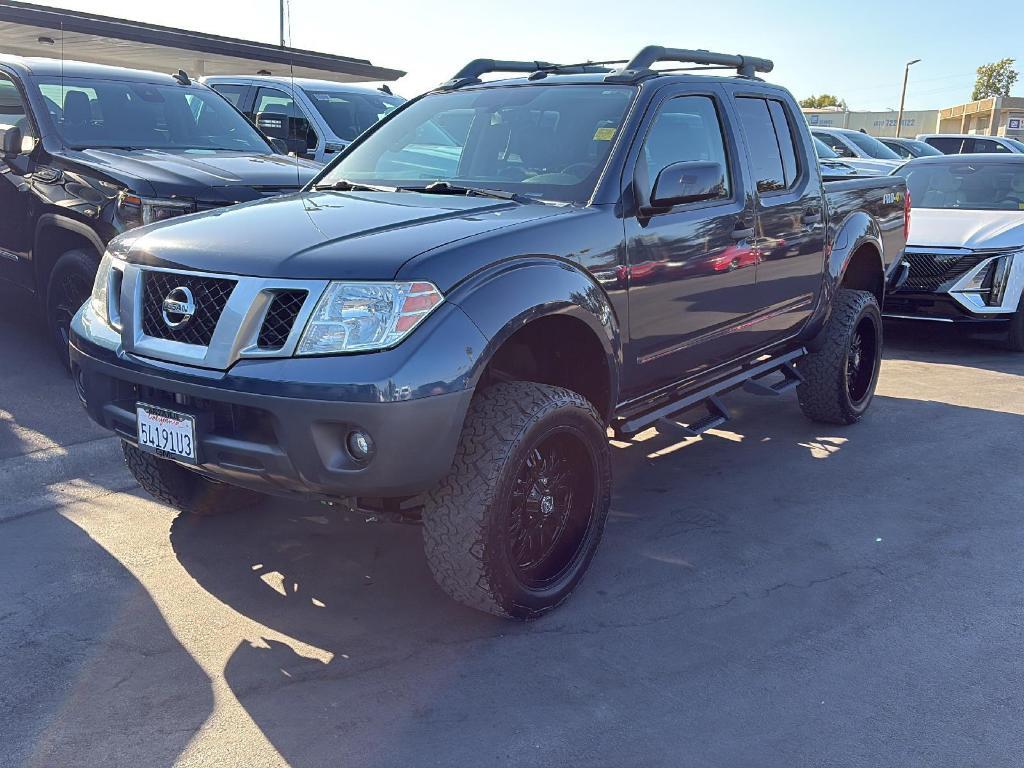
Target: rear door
(790,241)
(690,269)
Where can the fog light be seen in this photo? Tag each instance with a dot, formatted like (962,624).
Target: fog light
(360,445)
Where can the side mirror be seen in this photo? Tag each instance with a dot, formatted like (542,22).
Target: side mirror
(273,124)
(13,143)
(279,144)
(687,182)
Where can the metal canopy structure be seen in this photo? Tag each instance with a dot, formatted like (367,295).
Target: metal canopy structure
(27,29)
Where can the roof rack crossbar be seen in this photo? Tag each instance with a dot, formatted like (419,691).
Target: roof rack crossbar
(640,65)
(471,73)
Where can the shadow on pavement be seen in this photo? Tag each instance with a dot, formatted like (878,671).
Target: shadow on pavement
(781,594)
(930,342)
(90,673)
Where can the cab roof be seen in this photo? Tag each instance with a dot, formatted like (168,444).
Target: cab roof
(40,67)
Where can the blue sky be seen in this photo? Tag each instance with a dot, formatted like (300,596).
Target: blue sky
(853,49)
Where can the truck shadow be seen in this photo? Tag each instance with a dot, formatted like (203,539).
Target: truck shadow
(674,621)
(930,342)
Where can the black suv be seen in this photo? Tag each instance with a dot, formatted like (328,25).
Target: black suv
(446,323)
(92,151)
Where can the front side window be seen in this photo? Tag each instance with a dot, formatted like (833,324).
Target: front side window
(349,114)
(549,141)
(299,134)
(91,114)
(899,149)
(987,145)
(233,93)
(834,143)
(871,146)
(982,186)
(766,158)
(686,128)
(12,109)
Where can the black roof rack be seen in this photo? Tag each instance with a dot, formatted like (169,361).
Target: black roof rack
(470,74)
(639,67)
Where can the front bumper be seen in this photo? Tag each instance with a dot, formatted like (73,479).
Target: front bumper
(264,428)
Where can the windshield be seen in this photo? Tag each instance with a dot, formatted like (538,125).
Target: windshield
(549,141)
(111,113)
(967,185)
(871,146)
(824,150)
(1018,145)
(349,114)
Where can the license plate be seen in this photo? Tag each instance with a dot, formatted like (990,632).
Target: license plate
(166,433)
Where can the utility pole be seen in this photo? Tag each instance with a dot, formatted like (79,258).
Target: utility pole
(282,28)
(903,96)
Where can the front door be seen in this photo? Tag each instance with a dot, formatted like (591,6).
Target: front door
(16,230)
(690,269)
(790,238)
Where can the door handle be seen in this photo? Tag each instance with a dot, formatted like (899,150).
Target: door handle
(811,216)
(742,233)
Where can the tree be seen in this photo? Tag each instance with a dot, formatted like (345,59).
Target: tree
(825,100)
(995,79)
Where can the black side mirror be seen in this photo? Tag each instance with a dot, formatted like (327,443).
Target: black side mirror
(688,182)
(12,142)
(273,124)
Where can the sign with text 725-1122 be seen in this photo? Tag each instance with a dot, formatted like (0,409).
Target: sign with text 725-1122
(166,433)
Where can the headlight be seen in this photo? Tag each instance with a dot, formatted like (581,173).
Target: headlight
(106,290)
(357,317)
(136,211)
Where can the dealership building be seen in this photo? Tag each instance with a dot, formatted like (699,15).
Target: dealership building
(998,116)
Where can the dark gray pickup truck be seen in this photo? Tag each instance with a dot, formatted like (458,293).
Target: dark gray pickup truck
(447,322)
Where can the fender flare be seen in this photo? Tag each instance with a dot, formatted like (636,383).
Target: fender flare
(57,221)
(857,230)
(507,296)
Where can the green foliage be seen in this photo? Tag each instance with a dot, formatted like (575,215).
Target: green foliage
(995,79)
(825,100)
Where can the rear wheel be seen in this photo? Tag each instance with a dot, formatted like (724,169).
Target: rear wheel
(69,287)
(513,527)
(840,377)
(183,489)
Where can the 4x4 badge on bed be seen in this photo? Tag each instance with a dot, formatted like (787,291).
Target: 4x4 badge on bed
(178,308)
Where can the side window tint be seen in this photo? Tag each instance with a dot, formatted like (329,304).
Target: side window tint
(12,109)
(686,128)
(784,136)
(947,145)
(765,156)
(233,93)
(834,144)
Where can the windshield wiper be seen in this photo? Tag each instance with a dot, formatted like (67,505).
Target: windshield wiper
(447,188)
(344,185)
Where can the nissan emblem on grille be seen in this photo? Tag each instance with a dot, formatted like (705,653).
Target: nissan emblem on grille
(178,308)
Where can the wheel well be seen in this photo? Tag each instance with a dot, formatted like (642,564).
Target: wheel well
(52,242)
(864,272)
(560,351)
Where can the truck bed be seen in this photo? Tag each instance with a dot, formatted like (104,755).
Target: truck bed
(883,197)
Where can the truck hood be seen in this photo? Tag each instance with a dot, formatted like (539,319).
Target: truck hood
(323,235)
(204,175)
(961,228)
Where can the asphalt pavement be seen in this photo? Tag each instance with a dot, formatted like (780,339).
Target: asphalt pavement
(777,593)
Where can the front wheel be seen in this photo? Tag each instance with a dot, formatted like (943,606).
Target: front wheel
(69,287)
(513,527)
(841,375)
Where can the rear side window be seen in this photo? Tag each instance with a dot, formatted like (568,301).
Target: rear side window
(233,93)
(770,141)
(686,128)
(833,142)
(946,144)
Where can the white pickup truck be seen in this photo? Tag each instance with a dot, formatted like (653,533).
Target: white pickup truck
(965,251)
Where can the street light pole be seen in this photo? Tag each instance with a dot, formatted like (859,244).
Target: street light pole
(282,29)
(903,96)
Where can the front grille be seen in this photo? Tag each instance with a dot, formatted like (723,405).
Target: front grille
(210,294)
(280,318)
(930,271)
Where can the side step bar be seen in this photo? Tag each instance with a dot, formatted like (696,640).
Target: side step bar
(716,413)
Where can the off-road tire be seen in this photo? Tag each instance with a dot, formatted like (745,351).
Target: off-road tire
(464,517)
(74,271)
(183,489)
(1015,336)
(824,394)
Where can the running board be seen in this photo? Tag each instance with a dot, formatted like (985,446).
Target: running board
(716,413)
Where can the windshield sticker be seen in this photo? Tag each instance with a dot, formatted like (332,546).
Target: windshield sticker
(604,134)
